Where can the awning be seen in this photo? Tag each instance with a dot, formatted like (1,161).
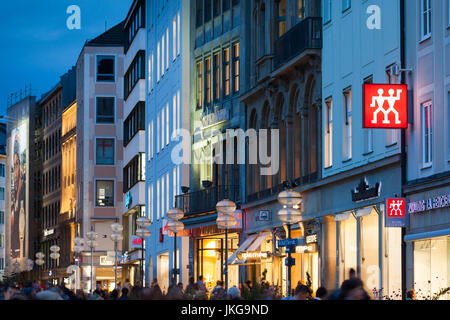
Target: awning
(426,235)
(342,216)
(253,247)
(364,211)
(242,247)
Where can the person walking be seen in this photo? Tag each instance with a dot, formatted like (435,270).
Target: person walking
(201,284)
(321,294)
(124,295)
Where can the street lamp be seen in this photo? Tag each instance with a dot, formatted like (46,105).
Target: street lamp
(78,248)
(40,261)
(175,226)
(92,243)
(290,214)
(116,236)
(142,232)
(226,221)
(55,254)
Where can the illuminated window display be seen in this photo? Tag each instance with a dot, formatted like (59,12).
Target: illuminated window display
(431,267)
(369,249)
(211,260)
(347,246)
(163,271)
(329,247)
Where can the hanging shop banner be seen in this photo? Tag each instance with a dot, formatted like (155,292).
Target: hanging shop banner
(396,216)
(135,242)
(385,106)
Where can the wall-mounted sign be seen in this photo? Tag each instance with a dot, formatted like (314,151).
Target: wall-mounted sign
(219,115)
(264,215)
(396,213)
(429,204)
(128,199)
(385,106)
(48,232)
(291,242)
(105,261)
(312,238)
(182,233)
(238,215)
(135,242)
(364,191)
(308,248)
(253,255)
(165,229)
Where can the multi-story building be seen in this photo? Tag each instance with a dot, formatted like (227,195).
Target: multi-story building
(427,44)
(282,62)
(134,137)
(51,109)
(99,161)
(2,198)
(215,85)
(168,105)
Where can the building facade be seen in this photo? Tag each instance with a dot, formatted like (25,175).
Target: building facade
(427,189)
(2,199)
(99,136)
(168,105)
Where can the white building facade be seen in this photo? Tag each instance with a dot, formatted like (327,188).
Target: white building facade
(167,99)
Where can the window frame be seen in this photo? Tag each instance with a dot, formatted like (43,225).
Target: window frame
(427,138)
(114,57)
(113,192)
(328,163)
(114,150)
(347,124)
(114,109)
(425,11)
(346,5)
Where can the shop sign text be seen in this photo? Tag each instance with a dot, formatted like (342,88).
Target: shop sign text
(429,204)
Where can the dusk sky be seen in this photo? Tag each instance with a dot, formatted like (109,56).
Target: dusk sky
(37,46)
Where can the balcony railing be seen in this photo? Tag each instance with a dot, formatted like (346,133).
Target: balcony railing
(205,200)
(306,34)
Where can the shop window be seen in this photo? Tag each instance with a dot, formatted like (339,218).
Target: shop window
(392,264)
(104,195)
(163,271)
(369,249)
(431,265)
(347,247)
(329,254)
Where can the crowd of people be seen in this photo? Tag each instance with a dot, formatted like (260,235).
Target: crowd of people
(351,289)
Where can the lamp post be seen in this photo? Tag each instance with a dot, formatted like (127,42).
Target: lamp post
(142,232)
(78,248)
(175,226)
(226,221)
(92,243)
(40,261)
(116,236)
(55,256)
(290,214)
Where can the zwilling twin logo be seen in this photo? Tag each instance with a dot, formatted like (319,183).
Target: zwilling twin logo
(396,208)
(385,106)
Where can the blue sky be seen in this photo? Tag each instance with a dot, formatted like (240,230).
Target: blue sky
(37,46)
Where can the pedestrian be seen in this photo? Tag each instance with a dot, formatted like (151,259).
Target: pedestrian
(180,286)
(114,295)
(234,293)
(8,292)
(321,293)
(201,284)
(352,289)
(190,288)
(124,295)
(127,284)
(302,292)
(218,293)
(411,295)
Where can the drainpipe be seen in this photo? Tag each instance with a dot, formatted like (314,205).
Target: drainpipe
(403,139)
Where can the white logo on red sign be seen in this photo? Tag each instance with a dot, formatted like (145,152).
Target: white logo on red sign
(396,208)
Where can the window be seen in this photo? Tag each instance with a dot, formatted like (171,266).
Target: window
(216,72)
(174,39)
(134,172)
(150,72)
(226,72)
(2,217)
(2,170)
(391,134)
(174,114)
(179,33)
(163,55)
(425,18)
(178,110)
(167,124)
(157,200)
(134,122)
(162,199)
(346,4)
(2,193)
(281,18)
(216,8)
(105,151)
(199,84)
(150,202)
(199,16)
(137,21)
(236,67)
(301,9)
(328,132)
(207,11)
(104,194)
(167,48)
(158,66)
(347,143)
(207,81)
(368,133)
(105,69)
(2,263)
(427,133)
(326,11)
(163,121)
(135,72)
(105,110)
(158,133)
(2,240)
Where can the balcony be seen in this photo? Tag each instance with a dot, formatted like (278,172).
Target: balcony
(204,201)
(307,34)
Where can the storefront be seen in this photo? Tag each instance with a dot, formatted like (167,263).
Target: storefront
(428,243)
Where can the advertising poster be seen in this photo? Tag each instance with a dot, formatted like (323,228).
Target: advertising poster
(18,190)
